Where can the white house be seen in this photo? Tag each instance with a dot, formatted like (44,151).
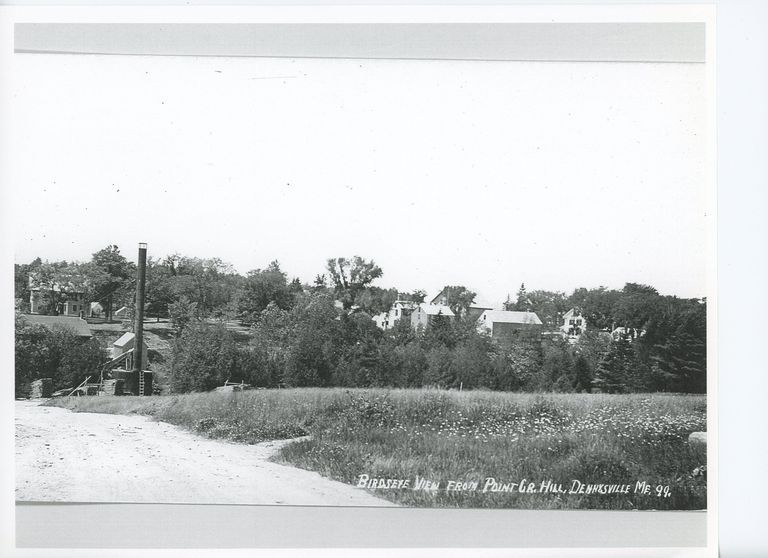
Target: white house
(574,324)
(401,309)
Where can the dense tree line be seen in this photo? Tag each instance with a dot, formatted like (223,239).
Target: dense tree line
(322,334)
(316,343)
(41,352)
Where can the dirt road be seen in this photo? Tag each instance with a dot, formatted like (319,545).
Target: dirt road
(63,456)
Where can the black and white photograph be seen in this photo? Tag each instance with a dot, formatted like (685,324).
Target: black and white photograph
(445,266)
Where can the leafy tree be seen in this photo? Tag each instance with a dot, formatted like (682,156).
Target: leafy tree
(375,299)
(212,283)
(263,287)
(472,364)
(458,298)
(56,353)
(411,363)
(636,305)
(439,332)
(182,313)
(48,278)
(272,335)
(549,306)
(598,306)
(438,372)
(401,333)
(361,354)
(301,345)
(418,296)
(32,354)
(21,275)
(313,348)
(351,277)
(109,276)
(591,345)
(557,367)
(320,283)
(516,366)
(295,287)
(204,357)
(159,293)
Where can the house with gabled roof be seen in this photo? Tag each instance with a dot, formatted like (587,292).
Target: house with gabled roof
(424,314)
(574,324)
(505,325)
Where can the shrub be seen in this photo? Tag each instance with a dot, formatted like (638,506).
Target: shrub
(204,357)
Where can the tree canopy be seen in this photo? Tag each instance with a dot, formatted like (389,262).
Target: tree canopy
(350,277)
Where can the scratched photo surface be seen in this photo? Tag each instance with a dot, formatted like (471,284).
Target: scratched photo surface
(361,280)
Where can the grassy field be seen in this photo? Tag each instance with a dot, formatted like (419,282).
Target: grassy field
(541,451)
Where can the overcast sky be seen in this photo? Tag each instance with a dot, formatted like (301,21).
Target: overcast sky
(486,174)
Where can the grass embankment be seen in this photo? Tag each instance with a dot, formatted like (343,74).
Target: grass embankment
(466,437)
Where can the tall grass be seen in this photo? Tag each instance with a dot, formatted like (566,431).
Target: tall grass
(461,436)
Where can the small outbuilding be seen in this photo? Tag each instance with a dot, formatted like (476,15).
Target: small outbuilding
(125,343)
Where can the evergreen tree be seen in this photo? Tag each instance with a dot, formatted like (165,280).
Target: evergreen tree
(618,369)
(439,332)
(523,303)
(582,375)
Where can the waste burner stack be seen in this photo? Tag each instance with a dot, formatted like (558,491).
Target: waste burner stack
(139,381)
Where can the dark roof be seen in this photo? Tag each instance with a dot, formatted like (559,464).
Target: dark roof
(80,327)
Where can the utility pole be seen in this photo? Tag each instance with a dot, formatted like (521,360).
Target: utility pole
(138,328)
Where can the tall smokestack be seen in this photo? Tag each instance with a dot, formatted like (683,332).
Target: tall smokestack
(138,328)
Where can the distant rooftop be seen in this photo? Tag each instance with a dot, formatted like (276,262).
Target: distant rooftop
(510,317)
(482,303)
(80,327)
(478,302)
(435,309)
